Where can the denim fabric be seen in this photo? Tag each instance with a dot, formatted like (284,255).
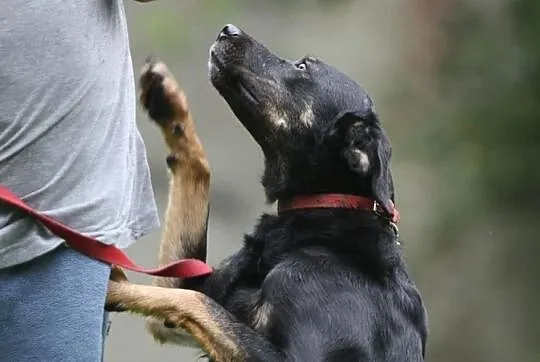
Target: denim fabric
(51,309)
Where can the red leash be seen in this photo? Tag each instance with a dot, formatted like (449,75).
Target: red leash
(187,268)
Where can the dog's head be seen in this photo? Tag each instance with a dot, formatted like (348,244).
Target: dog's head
(317,128)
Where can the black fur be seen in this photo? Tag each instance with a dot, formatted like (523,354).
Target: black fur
(155,101)
(322,284)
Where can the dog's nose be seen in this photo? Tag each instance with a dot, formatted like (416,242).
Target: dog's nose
(229,30)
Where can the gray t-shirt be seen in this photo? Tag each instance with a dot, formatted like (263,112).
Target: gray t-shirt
(69,145)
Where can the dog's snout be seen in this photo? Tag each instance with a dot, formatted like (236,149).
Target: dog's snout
(229,30)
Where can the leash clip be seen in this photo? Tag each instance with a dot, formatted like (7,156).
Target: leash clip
(381,212)
(377,210)
(394,227)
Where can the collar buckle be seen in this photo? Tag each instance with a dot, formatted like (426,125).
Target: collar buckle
(392,219)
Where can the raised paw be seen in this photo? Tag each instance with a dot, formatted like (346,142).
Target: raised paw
(161,96)
(167,106)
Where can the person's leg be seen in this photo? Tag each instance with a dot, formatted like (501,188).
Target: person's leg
(51,309)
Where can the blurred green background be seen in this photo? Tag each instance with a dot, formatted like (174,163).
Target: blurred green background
(457,85)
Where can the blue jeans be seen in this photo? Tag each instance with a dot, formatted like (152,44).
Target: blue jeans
(51,309)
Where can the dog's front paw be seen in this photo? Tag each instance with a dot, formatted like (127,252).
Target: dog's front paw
(161,96)
(164,334)
(167,105)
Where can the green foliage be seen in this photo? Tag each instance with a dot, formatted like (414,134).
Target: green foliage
(491,73)
(485,139)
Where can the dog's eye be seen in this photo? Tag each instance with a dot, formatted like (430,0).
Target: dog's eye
(301,66)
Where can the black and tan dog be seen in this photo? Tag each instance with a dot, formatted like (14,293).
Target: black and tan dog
(324,279)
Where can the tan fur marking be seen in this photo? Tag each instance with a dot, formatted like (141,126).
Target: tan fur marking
(261,316)
(307,116)
(277,119)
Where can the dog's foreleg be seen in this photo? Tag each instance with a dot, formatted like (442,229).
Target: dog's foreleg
(184,229)
(186,216)
(218,333)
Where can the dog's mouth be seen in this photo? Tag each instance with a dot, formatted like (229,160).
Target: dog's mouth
(233,77)
(240,70)
(237,85)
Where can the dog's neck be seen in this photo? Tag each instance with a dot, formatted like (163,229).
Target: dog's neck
(359,237)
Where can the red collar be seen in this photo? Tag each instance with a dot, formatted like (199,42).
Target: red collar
(336,201)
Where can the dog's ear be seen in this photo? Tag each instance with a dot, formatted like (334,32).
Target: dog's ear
(367,151)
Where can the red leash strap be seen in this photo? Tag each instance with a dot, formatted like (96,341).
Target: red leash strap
(187,268)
